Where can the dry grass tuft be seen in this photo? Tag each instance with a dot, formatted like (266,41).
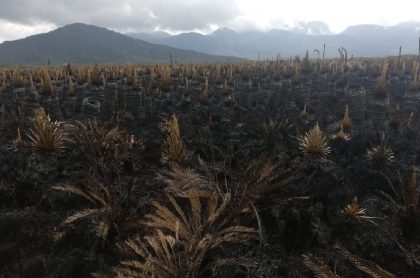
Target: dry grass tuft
(109,217)
(381,154)
(355,213)
(368,267)
(318,267)
(174,151)
(314,144)
(46,85)
(47,137)
(186,242)
(381,90)
(179,180)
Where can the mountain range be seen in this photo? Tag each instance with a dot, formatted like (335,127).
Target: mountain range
(81,44)
(360,41)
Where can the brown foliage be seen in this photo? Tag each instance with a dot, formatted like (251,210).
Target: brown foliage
(186,242)
(314,144)
(47,137)
(174,151)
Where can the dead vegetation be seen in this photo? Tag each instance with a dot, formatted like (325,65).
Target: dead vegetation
(46,136)
(314,144)
(187,242)
(221,187)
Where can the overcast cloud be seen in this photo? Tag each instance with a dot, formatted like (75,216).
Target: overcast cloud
(20,18)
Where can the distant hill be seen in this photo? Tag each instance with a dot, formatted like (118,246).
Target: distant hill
(360,41)
(81,44)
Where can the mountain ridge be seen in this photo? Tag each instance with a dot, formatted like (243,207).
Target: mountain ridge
(365,40)
(82,43)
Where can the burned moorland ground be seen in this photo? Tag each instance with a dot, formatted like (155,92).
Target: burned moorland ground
(277,168)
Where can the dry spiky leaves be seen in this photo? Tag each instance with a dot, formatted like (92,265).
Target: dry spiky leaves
(314,144)
(186,242)
(368,267)
(46,84)
(381,154)
(383,74)
(354,212)
(96,77)
(174,151)
(108,217)
(179,180)
(47,137)
(318,267)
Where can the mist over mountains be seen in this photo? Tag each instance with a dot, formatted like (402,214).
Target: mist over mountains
(359,40)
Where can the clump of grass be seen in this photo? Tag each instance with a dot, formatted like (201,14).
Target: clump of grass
(381,154)
(95,77)
(381,90)
(31,89)
(109,217)
(314,144)
(255,182)
(186,242)
(165,79)
(174,151)
(318,267)
(46,85)
(355,213)
(370,268)
(46,137)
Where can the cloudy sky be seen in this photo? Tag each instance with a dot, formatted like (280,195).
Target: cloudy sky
(21,18)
